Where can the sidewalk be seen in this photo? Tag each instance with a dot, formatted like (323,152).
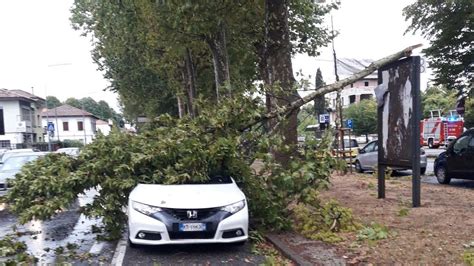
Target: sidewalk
(305,251)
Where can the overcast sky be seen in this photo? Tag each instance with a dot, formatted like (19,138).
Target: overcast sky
(40,51)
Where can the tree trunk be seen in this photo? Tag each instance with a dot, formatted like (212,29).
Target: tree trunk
(180,106)
(280,72)
(190,83)
(220,58)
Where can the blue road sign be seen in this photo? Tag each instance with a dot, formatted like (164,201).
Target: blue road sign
(349,123)
(323,118)
(50,126)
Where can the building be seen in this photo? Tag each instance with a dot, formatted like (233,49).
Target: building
(71,123)
(103,126)
(20,119)
(355,92)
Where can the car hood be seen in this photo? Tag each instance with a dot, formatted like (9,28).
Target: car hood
(7,174)
(187,196)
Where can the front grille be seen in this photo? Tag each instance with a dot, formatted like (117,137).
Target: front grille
(182,214)
(192,235)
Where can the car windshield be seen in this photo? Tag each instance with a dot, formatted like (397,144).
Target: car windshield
(16,162)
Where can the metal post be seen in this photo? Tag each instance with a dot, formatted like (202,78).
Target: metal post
(416,190)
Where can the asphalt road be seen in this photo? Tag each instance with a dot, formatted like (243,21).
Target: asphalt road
(49,240)
(209,254)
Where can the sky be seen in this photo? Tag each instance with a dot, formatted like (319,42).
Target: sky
(41,53)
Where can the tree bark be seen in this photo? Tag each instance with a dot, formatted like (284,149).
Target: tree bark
(220,58)
(190,83)
(280,72)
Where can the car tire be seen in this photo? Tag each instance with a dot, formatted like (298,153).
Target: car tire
(422,170)
(442,175)
(358,167)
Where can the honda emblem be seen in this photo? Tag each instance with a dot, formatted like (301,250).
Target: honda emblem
(192,214)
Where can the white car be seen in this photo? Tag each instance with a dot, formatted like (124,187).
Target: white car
(13,164)
(211,212)
(367,159)
(69,151)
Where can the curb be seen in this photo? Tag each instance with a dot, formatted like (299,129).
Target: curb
(119,253)
(286,251)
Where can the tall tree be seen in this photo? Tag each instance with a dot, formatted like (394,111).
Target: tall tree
(437,98)
(52,102)
(280,71)
(73,102)
(364,117)
(469,114)
(320,101)
(449,26)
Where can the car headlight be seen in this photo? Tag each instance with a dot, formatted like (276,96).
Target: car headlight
(234,207)
(144,208)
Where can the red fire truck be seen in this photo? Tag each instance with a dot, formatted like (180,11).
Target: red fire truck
(439,130)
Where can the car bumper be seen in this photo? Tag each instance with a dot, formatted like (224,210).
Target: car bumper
(164,234)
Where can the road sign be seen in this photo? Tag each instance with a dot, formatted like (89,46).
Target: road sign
(50,126)
(349,123)
(323,118)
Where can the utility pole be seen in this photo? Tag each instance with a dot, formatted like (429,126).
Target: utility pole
(84,123)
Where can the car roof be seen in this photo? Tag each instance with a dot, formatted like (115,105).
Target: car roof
(22,154)
(19,150)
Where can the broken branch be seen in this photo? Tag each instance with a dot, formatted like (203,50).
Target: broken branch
(282,111)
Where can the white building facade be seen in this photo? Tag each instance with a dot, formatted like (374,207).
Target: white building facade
(20,119)
(354,93)
(70,123)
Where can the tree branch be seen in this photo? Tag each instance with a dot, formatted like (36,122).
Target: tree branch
(332,87)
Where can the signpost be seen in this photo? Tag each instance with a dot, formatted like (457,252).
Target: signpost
(349,123)
(50,129)
(399,112)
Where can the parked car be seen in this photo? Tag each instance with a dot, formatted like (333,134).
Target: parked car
(210,212)
(7,154)
(458,159)
(69,151)
(367,159)
(351,148)
(12,165)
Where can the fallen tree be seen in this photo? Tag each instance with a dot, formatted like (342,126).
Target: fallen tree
(222,139)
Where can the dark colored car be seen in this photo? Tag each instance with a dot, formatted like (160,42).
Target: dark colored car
(458,160)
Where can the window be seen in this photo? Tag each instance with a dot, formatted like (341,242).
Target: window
(80,125)
(65,126)
(461,145)
(25,114)
(365,97)
(471,143)
(352,99)
(5,144)
(366,83)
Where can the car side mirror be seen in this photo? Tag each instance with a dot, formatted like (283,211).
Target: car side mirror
(361,151)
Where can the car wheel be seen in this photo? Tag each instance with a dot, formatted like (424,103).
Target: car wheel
(422,170)
(358,167)
(442,175)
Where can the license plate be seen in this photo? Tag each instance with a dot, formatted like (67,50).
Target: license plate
(192,227)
